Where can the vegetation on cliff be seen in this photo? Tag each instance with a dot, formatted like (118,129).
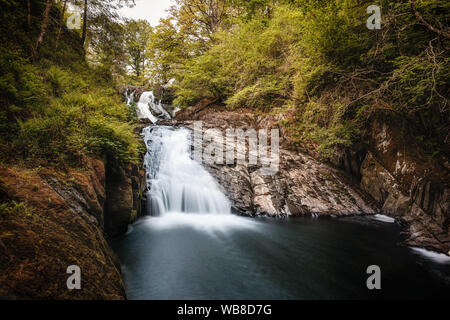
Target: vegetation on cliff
(57,107)
(316,62)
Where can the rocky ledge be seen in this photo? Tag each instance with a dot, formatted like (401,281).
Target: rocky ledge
(388,175)
(303,186)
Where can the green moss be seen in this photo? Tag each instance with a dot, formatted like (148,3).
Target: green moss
(16,208)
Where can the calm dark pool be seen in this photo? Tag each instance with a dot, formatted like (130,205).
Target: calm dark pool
(185,256)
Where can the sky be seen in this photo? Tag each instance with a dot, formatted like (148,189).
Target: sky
(150,10)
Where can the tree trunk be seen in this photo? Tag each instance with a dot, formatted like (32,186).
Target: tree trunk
(83,36)
(29,15)
(61,24)
(44,26)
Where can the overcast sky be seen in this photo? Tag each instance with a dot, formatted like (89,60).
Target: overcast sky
(150,10)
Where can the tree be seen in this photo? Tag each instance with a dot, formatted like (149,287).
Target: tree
(104,35)
(426,24)
(168,49)
(61,22)
(201,18)
(107,49)
(83,35)
(44,26)
(247,10)
(137,37)
(96,12)
(29,15)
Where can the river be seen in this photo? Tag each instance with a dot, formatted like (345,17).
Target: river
(191,247)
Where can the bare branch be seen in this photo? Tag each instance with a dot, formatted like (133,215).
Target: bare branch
(426,24)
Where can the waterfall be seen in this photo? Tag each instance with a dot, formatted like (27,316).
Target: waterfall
(148,107)
(177,183)
(143,110)
(129,98)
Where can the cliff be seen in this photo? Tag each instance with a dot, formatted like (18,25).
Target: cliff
(57,218)
(409,185)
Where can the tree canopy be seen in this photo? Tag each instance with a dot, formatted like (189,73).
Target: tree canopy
(315,62)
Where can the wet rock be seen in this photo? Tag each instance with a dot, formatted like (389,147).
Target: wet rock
(350,159)
(124,192)
(410,186)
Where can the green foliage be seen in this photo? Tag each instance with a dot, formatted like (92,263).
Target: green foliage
(204,80)
(63,81)
(320,59)
(111,139)
(78,122)
(20,83)
(324,125)
(167,50)
(137,37)
(58,109)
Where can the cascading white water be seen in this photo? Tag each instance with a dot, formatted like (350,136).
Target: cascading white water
(148,107)
(177,183)
(158,108)
(145,101)
(129,98)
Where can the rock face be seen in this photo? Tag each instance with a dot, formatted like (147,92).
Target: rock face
(302,186)
(63,225)
(84,192)
(410,186)
(124,189)
(129,89)
(389,175)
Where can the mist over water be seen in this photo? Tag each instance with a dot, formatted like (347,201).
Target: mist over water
(191,247)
